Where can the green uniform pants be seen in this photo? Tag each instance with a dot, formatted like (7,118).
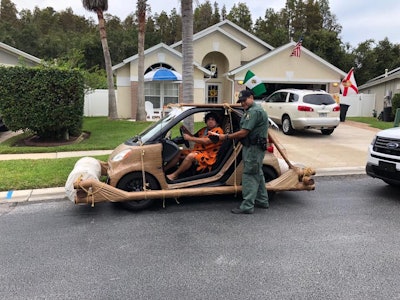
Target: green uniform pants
(253,182)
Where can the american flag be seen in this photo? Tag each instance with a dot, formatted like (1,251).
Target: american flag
(297,49)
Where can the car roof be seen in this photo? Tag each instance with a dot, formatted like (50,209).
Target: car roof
(204,105)
(302,91)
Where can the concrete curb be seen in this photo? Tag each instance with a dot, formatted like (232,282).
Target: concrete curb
(54,155)
(33,195)
(340,171)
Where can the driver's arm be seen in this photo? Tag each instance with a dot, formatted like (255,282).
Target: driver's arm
(198,140)
(242,133)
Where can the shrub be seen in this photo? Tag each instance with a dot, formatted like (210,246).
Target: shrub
(47,101)
(395,103)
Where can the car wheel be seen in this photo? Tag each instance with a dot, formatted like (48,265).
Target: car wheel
(269,175)
(287,126)
(133,182)
(327,131)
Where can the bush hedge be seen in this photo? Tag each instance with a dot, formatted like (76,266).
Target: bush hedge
(395,103)
(47,101)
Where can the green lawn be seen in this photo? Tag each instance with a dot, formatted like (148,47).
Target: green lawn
(104,134)
(373,122)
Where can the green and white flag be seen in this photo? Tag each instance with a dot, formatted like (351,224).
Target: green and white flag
(254,83)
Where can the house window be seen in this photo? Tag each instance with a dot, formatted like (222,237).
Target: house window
(213,68)
(212,93)
(161,93)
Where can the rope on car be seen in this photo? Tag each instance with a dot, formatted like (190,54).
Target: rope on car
(89,192)
(229,110)
(143,172)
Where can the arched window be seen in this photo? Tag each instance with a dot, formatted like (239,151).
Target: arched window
(161,92)
(158,66)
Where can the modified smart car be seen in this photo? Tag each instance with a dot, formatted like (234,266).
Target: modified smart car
(134,173)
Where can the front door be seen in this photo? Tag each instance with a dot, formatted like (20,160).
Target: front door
(213,93)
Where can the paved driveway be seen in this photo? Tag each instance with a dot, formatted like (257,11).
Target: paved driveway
(347,147)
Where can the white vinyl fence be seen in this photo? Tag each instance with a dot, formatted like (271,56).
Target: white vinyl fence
(361,105)
(96,104)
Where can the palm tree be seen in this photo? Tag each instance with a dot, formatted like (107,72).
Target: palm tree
(187,52)
(99,6)
(141,11)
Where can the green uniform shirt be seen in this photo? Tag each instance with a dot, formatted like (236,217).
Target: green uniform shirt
(255,119)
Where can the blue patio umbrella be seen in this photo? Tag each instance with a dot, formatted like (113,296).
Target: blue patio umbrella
(162,74)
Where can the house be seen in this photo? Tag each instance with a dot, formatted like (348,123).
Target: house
(10,56)
(383,87)
(223,53)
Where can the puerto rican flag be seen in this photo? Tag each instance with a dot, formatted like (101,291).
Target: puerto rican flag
(348,86)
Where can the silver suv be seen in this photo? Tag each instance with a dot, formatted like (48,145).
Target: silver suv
(296,109)
(384,156)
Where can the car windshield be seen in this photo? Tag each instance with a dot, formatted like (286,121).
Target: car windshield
(167,120)
(319,99)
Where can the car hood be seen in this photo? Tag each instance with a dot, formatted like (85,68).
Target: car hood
(390,133)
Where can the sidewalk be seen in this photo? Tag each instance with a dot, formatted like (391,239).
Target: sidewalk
(342,153)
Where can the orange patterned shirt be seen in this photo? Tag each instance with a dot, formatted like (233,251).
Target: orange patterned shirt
(206,154)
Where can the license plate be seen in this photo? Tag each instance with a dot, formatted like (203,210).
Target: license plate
(389,167)
(323,115)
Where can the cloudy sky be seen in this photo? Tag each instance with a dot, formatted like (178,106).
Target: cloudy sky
(360,19)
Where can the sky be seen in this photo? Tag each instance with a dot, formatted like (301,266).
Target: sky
(360,19)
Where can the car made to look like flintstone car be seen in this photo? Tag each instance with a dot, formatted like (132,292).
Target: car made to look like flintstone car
(135,169)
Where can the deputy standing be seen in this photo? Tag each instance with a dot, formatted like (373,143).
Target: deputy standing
(253,134)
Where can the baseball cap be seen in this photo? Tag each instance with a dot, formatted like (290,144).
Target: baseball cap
(243,95)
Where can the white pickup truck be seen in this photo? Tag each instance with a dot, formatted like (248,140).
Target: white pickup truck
(384,156)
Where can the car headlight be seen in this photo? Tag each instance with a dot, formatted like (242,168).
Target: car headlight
(120,156)
(373,141)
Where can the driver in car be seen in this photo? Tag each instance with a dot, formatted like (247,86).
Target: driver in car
(204,152)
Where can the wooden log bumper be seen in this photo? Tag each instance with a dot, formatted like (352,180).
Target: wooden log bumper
(92,191)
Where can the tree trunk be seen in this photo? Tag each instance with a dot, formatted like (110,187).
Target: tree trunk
(141,113)
(187,52)
(112,102)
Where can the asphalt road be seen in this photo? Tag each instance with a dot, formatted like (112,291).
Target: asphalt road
(340,241)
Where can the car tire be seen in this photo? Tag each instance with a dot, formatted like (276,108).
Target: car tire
(132,182)
(287,125)
(327,131)
(269,175)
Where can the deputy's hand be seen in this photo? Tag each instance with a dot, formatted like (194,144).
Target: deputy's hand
(214,137)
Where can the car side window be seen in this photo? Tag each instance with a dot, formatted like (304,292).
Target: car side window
(278,97)
(293,97)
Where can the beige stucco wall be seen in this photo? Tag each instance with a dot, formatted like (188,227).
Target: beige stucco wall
(252,49)
(218,43)
(124,92)
(124,105)
(282,68)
